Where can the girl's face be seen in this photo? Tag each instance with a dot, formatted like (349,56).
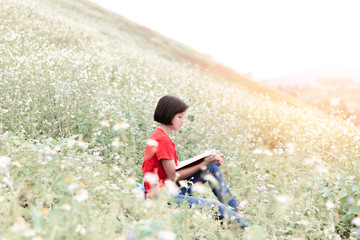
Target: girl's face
(177,121)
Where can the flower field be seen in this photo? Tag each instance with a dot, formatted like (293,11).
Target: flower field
(78,88)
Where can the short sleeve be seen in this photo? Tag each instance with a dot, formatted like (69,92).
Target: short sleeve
(165,149)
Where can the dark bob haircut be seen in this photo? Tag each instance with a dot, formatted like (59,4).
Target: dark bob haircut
(167,107)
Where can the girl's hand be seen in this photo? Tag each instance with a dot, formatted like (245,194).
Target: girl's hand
(218,159)
(210,159)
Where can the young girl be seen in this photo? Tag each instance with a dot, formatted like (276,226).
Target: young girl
(160,160)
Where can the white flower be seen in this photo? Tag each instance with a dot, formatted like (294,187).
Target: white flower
(83,144)
(19,226)
(105,123)
(116,168)
(329,205)
(183,184)
(257,151)
(4,163)
(290,148)
(282,198)
(131,180)
(120,125)
(114,186)
(322,169)
(166,235)
(242,204)
(152,143)
(138,193)
(151,178)
(356,221)
(73,186)
(198,187)
(29,233)
(148,203)
(8,181)
(71,143)
(66,207)
(267,152)
(303,222)
(82,195)
(116,143)
(80,229)
(117,126)
(171,187)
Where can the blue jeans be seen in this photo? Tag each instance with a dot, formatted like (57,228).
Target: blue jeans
(227,204)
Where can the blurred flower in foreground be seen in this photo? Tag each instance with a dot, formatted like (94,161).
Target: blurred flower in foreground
(116,143)
(73,186)
(260,151)
(20,225)
(290,148)
(329,205)
(282,198)
(120,125)
(82,195)
(167,235)
(105,123)
(29,233)
(257,151)
(151,178)
(184,183)
(171,187)
(71,143)
(152,143)
(66,207)
(198,187)
(303,222)
(242,204)
(139,194)
(4,163)
(80,229)
(83,144)
(322,169)
(356,221)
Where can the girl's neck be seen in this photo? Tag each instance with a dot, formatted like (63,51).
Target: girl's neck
(166,128)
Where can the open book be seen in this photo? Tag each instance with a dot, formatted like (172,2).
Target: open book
(193,161)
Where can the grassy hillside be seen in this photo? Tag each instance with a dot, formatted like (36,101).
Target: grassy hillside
(78,89)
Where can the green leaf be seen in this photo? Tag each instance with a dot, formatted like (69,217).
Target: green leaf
(354,210)
(191,118)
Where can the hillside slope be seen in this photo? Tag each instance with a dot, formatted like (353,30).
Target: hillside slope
(78,90)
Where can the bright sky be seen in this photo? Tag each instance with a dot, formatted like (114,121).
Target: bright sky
(269,38)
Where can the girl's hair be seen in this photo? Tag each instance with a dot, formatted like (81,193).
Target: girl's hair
(167,107)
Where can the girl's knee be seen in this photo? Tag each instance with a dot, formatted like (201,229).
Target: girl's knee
(213,168)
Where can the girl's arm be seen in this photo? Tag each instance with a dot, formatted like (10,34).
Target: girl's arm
(169,167)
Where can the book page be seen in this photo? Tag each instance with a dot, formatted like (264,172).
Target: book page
(195,159)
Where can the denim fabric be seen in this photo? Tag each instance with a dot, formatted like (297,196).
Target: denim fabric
(227,204)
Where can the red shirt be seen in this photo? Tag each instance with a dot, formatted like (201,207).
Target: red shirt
(165,149)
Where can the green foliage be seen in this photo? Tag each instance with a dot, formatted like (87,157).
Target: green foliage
(78,90)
